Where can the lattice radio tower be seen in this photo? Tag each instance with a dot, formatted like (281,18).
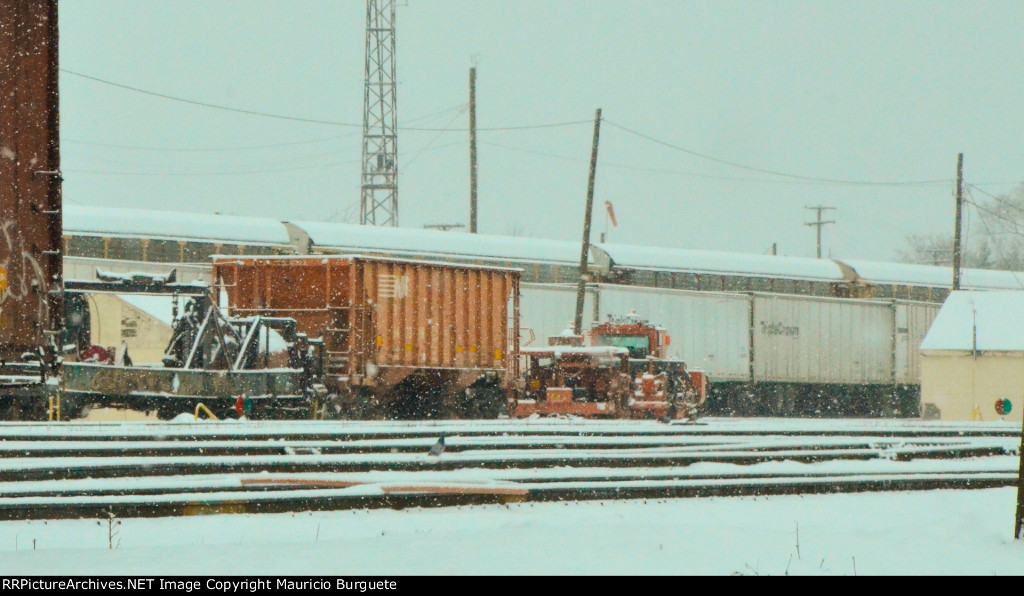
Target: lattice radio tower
(379,206)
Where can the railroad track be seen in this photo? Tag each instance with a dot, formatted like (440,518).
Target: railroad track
(306,430)
(72,471)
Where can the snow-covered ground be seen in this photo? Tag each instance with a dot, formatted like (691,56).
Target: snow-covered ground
(935,532)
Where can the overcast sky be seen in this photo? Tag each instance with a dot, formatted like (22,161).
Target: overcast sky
(854,91)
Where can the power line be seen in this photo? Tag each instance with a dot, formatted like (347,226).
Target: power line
(203,150)
(206,104)
(249,168)
(653,170)
(347,210)
(210,105)
(992,196)
(247,147)
(1017,183)
(1001,201)
(1013,223)
(434,140)
(215,173)
(502,128)
(275,162)
(995,244)
(774,172)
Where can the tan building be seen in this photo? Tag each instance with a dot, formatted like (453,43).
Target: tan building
(142,322)
(973,356)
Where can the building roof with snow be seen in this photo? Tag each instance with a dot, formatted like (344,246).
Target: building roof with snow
(990,321)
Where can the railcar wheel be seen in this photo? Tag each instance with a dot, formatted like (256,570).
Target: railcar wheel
(350,405)
(25,410)
(488,403)
(483,402)
(166,412)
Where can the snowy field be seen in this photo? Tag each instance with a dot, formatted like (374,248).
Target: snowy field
(934,532)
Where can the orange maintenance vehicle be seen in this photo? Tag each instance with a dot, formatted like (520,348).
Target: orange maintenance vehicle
(622,372)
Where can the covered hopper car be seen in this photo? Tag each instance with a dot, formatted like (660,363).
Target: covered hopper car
(398,338)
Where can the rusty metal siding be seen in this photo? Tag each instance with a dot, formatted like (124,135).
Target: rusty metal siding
(389,313)
(30,201)
(426,315)
(277,288)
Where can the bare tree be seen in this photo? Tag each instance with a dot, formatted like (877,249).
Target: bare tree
(938,250)
(996,238)
(1002,225)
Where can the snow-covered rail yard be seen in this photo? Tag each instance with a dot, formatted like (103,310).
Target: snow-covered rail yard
(77,470)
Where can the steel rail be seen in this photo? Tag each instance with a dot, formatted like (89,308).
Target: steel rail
(313,431)
(400,497)
(106,467)
(242,446)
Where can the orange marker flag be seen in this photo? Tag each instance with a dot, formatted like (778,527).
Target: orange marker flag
(611,213)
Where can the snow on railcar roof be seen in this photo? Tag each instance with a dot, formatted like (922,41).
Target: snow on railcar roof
(433,242)
(173,225)
(242,259)
(723,263)
(935,276)
(991,320)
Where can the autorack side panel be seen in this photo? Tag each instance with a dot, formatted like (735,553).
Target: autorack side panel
(709,330)
(548,309)
(800,339)
(913,319)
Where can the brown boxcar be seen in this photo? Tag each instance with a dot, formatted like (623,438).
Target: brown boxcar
(400,338)
(31,296)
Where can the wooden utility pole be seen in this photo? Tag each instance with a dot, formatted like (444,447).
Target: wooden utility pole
(959,209)
(581,290)
(472,150)
(819,223)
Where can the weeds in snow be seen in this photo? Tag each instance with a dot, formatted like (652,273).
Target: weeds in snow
(113,531)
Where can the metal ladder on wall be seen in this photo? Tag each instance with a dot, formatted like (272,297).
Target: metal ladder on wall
(342,343)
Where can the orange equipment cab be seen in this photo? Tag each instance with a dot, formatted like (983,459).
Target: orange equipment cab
(625,372)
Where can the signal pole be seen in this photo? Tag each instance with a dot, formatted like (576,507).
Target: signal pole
(472,150)
(819,223)
(959,209)
(581,289)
